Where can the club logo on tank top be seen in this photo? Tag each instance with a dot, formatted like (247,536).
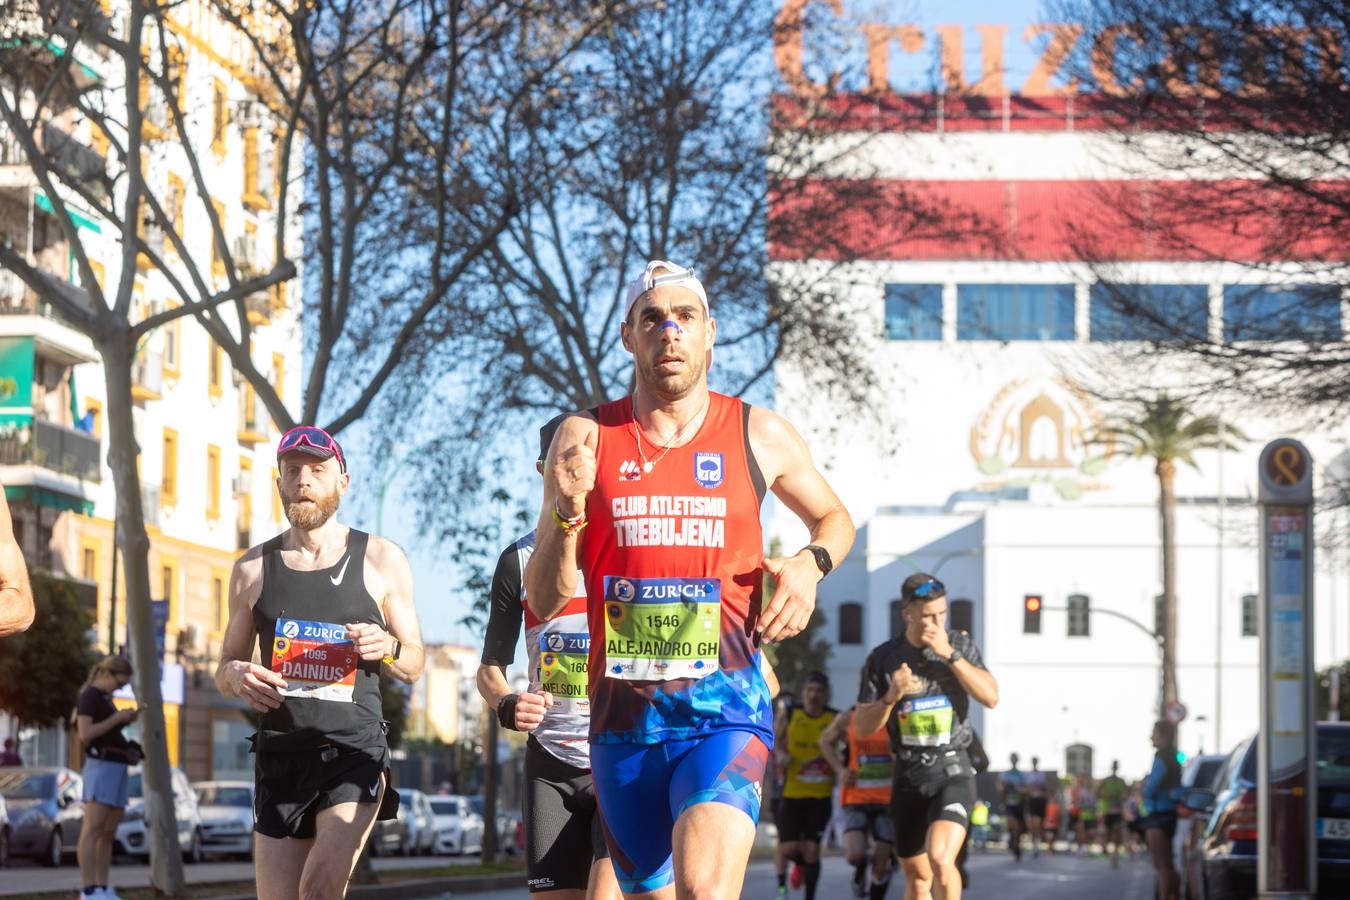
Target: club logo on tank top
(708,469)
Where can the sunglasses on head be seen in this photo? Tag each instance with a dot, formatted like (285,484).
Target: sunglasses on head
(314,437)
(930,588)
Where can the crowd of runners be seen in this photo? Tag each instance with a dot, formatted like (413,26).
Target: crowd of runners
(651,715)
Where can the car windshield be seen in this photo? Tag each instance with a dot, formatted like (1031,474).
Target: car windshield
(19,785)
(1333,756)
(444,806)
(1206,771)
(221,795)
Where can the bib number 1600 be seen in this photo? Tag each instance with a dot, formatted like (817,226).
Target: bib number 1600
(666,621)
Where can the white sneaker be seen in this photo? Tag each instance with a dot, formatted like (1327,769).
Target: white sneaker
(109,894)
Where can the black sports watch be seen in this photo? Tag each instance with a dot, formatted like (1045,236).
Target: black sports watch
(823,561)
(955,658)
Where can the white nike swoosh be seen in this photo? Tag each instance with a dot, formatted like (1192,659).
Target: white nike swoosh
(955,807)
(343,571)
(374,788)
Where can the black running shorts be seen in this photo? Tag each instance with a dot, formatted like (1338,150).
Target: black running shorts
(562,823)
(922,795)
(291,788)
(803,818)
(1036,807)
(1111,820)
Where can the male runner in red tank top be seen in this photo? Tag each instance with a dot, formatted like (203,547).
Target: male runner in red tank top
(655,498)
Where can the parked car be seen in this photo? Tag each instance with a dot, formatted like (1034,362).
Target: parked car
(419,820)
(389,837)
(45,811)
(131,839)
(1200,772)
(506,823)
(458,828)
(1222,861)
(226,811)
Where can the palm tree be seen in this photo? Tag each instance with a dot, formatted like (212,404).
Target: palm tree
(1164,429)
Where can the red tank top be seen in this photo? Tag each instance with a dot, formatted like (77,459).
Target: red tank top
(672,561)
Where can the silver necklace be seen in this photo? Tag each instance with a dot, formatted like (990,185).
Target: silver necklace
(648,464)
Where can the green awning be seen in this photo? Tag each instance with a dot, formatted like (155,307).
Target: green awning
(79,218)
(49,499)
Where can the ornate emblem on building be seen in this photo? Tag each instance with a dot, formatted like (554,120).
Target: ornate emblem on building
(1039,429)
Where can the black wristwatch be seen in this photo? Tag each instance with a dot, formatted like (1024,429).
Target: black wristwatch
(955,658)
(506,712)
(823,561)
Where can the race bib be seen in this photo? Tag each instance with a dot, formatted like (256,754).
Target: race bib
(563,664)
(659,629)
(875,771)
(815,771)
(316,659)
(926,722)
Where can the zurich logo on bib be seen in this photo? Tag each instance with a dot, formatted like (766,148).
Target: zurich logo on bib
(708,469)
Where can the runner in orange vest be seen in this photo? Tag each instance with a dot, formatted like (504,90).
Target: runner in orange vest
(866,776)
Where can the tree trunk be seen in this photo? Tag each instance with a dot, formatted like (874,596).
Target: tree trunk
(490,782)
(166,860)
(1167,503)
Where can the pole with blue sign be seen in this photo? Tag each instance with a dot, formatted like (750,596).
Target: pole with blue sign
(1286,864)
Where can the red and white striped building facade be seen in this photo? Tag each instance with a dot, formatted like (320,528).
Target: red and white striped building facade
(984,317)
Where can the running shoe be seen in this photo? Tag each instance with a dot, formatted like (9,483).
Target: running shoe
(796,877)
(782,892)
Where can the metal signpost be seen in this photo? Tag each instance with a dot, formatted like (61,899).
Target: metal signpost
(1287,777)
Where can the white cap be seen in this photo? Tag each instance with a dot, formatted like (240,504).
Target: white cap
(671,276)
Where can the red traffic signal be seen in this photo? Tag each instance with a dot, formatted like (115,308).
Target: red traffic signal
(1031,614)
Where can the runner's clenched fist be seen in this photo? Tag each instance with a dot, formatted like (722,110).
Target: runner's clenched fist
(574,475)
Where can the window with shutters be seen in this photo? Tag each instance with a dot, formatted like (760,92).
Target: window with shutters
(1079,619)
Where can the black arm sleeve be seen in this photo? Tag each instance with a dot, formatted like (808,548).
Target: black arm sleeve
(506,610)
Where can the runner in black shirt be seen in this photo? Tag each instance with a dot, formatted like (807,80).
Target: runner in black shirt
(919,685)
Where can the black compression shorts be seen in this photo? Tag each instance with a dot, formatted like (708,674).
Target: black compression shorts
(292,788)
(562,823)
(922,795)
(803,818)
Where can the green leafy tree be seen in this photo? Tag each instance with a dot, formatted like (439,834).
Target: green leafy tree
(1164,429)
(793,658)
(41,670)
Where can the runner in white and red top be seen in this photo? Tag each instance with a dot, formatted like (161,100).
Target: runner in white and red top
(564,844)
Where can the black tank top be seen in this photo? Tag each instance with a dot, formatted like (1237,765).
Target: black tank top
(333,695)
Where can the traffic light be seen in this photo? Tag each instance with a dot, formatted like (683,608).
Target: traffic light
(1031,614)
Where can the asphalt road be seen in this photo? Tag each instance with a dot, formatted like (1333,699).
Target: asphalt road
(23,877)
(993,876)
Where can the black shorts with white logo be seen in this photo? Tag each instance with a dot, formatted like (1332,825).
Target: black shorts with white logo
(291,788)
(563,836)
(942,790)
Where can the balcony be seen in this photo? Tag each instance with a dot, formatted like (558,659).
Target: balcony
(56,448)
(147,376)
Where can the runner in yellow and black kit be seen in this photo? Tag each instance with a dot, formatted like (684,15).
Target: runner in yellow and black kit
(808,786)
(866,797)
